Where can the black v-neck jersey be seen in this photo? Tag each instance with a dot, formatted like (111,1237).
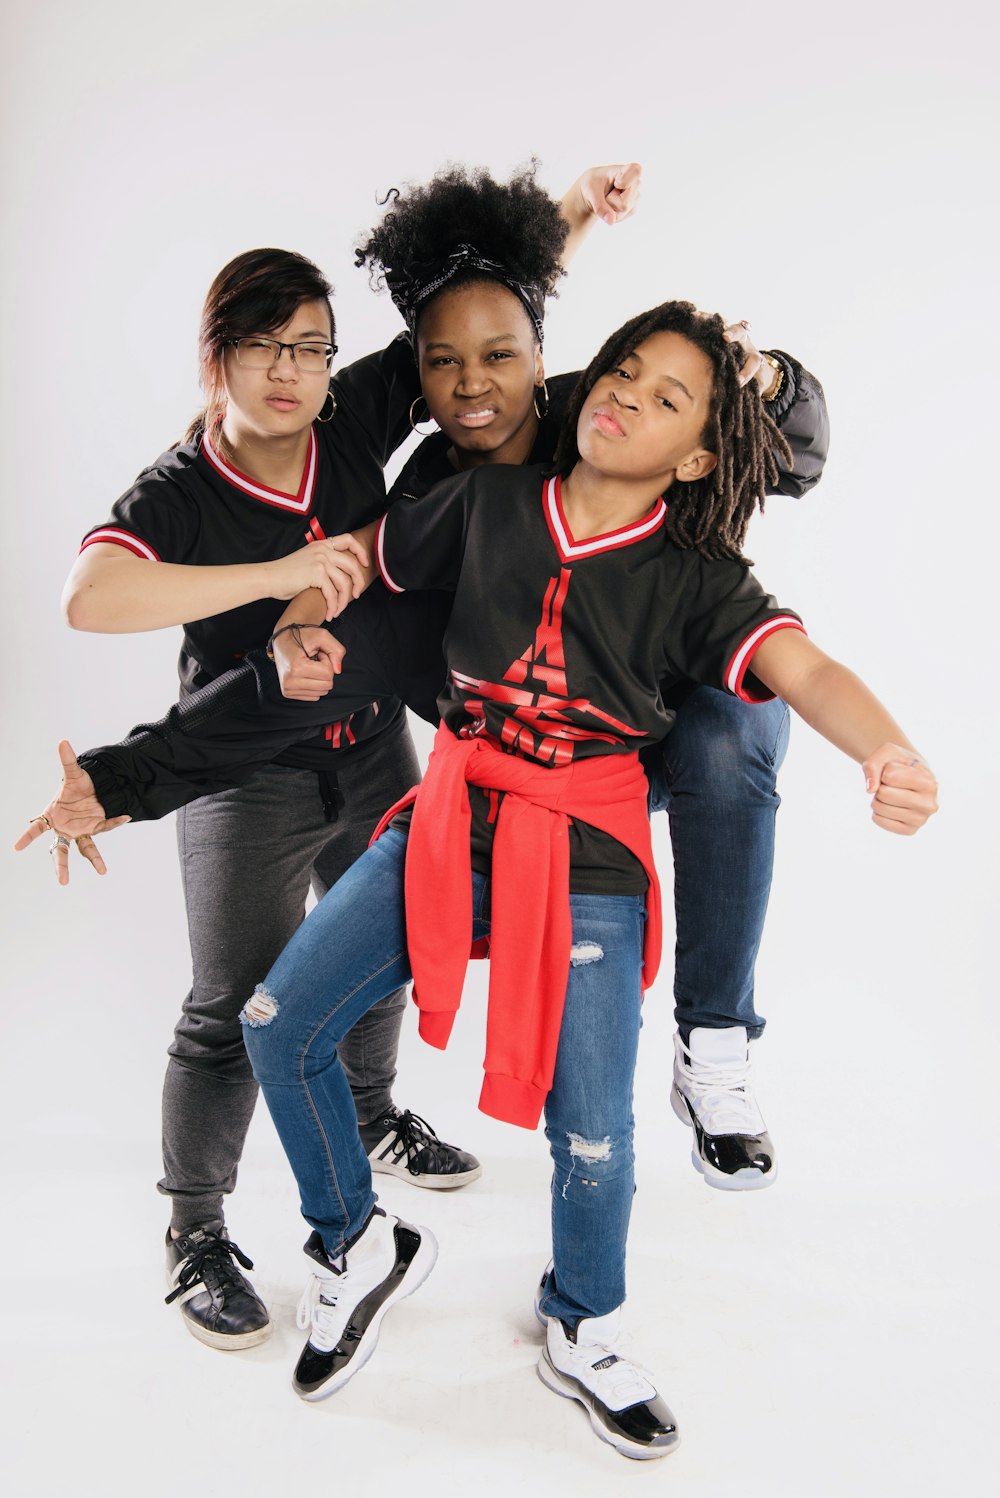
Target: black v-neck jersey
(192,506)
(559,649)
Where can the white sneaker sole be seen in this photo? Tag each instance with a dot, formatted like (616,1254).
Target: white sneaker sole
(421,1265)
(426,1182)
(221,1341)
(742,1180)
(553,1379)
(235,1342)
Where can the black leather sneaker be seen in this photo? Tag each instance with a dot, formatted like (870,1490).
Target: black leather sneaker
(346,1299)
(405,1145)
(219,1306)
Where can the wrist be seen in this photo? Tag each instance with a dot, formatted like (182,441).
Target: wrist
(284,629)
(772,387)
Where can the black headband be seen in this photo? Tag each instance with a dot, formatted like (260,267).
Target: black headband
(411,288)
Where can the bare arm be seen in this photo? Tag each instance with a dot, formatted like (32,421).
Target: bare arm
(608,193)
(309,659)
(838,705)
(111,591)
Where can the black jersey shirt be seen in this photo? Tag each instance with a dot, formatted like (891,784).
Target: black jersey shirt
(193,507)
(559,649)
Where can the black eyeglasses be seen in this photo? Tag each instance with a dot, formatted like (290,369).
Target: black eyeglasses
(261,353)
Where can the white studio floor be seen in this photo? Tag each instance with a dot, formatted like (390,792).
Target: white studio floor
(823,1337)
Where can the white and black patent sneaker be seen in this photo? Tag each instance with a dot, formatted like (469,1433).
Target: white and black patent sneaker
(619,1396)
(346,1299)
(713,1092)
(219,1306)
(405,1145)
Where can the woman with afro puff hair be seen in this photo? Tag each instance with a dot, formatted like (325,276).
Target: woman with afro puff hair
(580,590)
(238,518)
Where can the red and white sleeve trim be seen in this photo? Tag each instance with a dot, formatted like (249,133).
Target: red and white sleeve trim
(740,662)
(393,586)
(120,538)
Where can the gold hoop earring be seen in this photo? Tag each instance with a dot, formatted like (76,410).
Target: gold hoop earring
(415,423)
(542,390)
(333,408)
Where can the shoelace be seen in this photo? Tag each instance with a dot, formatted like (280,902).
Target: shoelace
(414,1134)
(720,1093)
(317,1313)
(212,1262)
(623,1382)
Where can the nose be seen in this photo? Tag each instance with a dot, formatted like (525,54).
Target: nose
(284,371)
(473,382)
(625,396)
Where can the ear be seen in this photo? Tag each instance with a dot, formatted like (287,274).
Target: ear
(697,465)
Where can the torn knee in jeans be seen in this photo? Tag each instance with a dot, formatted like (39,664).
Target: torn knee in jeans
(583,1151)
(583,952)
(259,1010)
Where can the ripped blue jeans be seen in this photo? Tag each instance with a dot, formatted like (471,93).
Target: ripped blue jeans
(349,953)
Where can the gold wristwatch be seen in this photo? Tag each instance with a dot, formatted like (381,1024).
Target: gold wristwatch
(775,387)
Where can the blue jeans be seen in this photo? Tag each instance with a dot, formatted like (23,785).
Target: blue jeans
(346,956)
(715,775)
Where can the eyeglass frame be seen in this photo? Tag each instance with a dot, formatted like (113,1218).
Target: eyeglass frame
(291,347)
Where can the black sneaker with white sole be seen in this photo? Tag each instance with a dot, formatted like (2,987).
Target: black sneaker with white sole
(405,1145)
(219,1306)
(713,1092)
(347,1297)
(586,1364)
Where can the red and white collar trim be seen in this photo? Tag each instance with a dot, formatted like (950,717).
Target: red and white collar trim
(570,550)
(299,503)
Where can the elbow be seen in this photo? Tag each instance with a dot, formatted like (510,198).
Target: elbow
(78,608)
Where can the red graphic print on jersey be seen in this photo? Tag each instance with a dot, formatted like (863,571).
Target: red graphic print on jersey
(541,724)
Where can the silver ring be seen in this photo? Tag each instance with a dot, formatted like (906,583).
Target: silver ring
(58,842)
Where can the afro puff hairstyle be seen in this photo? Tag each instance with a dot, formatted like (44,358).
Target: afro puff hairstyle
(709,515)
(515,223)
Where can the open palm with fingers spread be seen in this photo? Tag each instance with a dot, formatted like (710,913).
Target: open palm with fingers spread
(73,815)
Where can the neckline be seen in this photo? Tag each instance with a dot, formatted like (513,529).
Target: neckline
(298,504)
(571,550)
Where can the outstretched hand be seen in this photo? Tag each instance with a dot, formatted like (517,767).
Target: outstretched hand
(74,815)
(905,789)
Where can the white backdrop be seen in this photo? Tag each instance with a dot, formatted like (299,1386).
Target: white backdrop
(825,172)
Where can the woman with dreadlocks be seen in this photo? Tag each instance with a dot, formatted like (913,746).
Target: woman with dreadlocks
(576,596)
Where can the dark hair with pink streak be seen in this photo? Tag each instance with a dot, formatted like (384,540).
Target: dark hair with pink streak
(258,292)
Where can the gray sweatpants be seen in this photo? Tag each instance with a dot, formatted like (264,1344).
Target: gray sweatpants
(248,857)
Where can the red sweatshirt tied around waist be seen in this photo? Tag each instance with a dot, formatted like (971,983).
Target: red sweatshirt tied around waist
(531,926)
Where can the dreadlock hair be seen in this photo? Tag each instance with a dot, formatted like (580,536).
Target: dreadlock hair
(515,223)
(257,292)
(709,515)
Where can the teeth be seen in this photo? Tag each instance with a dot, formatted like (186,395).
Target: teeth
(475,415)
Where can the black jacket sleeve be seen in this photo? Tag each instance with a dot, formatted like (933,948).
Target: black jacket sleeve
(801,415)
(217,737)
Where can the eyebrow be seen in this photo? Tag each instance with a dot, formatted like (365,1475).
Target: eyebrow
(487,342)
(312,336)
(669,379)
